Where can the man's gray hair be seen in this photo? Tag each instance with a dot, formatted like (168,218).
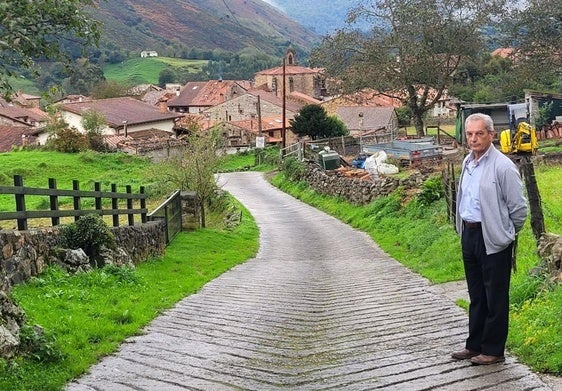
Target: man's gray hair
(488,122)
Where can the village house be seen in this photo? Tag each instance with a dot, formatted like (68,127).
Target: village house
(122,116)
(245,107)
(72,98)
(17,116)
(195,97)
(16,136)
(149,53)
(20,99)
(155,95)
(446,107)
(365,97)
(243,133)
(379,123)
(20,122)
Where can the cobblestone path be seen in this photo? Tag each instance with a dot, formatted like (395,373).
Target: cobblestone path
(321,307)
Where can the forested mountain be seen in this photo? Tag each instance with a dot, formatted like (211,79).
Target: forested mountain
(321,16)
(173,27)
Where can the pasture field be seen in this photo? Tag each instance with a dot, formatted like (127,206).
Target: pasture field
(146,70)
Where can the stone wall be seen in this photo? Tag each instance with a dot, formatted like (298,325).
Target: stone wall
(141,242)
(358,191)
(27,253)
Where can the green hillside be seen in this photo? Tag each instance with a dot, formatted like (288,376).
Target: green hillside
(174,27)
(146,70)
(26,85)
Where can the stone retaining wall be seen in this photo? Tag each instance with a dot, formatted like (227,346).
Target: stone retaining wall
(358,191)
(24,254)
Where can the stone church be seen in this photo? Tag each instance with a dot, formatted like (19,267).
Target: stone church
(300,79)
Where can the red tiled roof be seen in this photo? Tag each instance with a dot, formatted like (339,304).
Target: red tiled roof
(142,141)
(503,52)
(11,136)
(269,123)
(24,114)
(372,117)
(276,100)
(301,97)
(74,98)
(187,94)
(368,97)
(200,119)
(208,94)
(118,110)
(20,99)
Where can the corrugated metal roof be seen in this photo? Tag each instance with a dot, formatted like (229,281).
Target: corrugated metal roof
(373,117)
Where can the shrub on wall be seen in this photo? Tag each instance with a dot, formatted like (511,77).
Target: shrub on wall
(431,190)
(90,233)
(293,169)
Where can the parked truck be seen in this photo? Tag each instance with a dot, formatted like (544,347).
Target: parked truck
(514,131)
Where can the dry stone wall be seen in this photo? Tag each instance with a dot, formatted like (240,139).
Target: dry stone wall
(358,191)
(27,253)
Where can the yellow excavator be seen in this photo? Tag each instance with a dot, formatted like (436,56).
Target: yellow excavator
(522,141)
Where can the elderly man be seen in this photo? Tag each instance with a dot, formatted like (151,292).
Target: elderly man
(491,209)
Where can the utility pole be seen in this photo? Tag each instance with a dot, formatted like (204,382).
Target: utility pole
(283,130)
(360,132)
(258,111)
(260,139)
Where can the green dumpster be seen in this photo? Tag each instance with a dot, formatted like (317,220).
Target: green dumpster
(329,160)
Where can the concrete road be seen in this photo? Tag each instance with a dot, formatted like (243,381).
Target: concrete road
(320,307)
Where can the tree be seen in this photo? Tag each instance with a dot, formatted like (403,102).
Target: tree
(38,29)
(535,32)
(167,75)
(85,76)
(312,120)
(62,137)
(412,51)
(93,123)
(194,168)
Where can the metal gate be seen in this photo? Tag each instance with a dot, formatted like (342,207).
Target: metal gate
(170,211)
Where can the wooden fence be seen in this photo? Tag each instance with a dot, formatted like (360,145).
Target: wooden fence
(22,214)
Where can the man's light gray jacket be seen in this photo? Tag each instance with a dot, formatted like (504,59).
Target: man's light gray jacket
(502,203)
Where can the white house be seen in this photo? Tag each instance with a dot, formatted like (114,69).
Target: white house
(122,116)
(149,53)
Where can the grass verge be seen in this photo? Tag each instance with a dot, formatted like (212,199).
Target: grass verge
(86,316)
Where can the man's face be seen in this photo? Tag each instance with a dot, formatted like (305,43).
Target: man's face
(478,137)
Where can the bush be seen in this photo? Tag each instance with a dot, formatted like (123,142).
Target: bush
(38,346)
(431,191)
(97,142)
(266,156)
(69,141)
(90,233)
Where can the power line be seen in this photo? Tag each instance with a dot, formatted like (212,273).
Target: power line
(232,13)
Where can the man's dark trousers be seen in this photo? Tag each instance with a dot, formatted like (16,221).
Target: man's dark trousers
(487,278)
